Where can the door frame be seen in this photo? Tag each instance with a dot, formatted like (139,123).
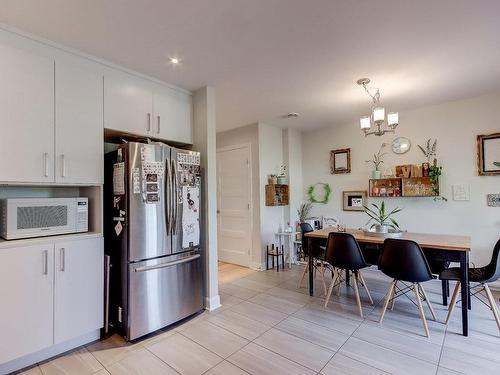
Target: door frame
(238,146)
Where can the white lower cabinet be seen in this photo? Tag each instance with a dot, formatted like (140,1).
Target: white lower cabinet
(50,293)
(78,302)
(26,290)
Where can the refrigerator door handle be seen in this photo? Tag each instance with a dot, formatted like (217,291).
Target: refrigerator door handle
(168,264)
(176,192)
(167,198)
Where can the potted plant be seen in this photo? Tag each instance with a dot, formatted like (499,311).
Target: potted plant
(380,220)
(435,170)
(303,211)
(282,179)
(377,161)
(272,179)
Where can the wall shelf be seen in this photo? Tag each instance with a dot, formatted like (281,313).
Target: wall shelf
(277,195)
(394,187)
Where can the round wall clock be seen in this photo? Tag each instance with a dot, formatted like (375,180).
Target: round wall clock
(401,145)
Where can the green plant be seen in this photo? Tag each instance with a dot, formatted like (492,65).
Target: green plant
(430,150)
(303,211)
(380,217)
(327,190)
(434,173)
(377,158)
(496,163)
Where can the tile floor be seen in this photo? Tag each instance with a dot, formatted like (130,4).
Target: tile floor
(268,326)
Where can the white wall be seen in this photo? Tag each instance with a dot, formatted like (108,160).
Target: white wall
(455,125)
(204,141)
(292,157)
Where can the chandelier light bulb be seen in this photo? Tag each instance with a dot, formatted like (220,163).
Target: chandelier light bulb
(392,119)
(365,122)
(378,114)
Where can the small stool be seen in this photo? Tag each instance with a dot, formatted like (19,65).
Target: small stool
(275,253)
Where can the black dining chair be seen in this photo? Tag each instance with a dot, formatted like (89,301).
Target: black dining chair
(318,254)
(481,276)
(343,253)
(405,262)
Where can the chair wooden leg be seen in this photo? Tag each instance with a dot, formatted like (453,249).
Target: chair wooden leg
(323,270)
(421,309)
(356,292)
(363,282)
(493,304)
(330,289)
(429,305)
(453,302)
(393,300)
(303,276)
(387,299)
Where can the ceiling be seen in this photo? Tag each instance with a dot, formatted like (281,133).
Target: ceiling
(270,57)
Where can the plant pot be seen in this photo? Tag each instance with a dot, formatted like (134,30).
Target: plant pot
(272,180)
(282,180)
(376,175)
(381,228)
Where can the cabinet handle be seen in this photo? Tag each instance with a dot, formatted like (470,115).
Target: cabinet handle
(46,164)
(62,259)
(63,166)
(149,122)
(158,124)
(45,262)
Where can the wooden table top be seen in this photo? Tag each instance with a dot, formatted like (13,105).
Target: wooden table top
(429,241)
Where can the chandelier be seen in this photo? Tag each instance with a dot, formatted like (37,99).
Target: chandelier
(373,124)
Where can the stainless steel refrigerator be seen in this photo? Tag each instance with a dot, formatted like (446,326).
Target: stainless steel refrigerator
(152,235)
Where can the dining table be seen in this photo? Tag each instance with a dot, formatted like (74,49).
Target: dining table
(436,247)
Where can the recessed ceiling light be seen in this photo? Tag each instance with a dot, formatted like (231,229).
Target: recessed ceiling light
(175,60)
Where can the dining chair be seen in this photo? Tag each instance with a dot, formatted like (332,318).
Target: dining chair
(318,253)
(343,253)
(405,263)
(481,276)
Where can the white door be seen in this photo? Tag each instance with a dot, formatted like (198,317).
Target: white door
(26,116)
(78,307)
(128,103)
(79,125)
(26,290)
(234,205)
(172,115)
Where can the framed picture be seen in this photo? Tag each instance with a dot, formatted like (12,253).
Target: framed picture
(340,161)
(493,200)
(354,200)
(488,154)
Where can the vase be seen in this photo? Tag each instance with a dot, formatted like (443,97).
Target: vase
(376,174)
(282,180)
(381,228)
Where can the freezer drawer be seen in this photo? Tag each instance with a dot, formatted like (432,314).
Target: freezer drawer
(163,291)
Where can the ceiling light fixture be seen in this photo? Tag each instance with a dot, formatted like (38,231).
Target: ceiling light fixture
(174,60)
(292,115)
(377,117)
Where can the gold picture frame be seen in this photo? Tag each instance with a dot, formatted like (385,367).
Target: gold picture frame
(340,161)
(488,151)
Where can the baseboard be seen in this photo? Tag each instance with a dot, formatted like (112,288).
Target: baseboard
(212,303)
(258,266)
(52,351)
(495,286)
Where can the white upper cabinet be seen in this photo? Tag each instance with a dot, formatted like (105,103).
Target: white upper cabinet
(172,115)
(26,289)
(79,125)
(79,268)
(128,103)
(26,116)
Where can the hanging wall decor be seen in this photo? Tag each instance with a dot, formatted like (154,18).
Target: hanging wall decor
(488,154)
(319,193)
(493,200)
(340,161)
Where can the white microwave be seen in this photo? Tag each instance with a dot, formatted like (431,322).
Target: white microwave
(35,217)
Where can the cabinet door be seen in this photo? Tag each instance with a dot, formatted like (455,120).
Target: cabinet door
(79,274)
(79,125)
(26,289)
(128,104)
(173,116)
(26,116)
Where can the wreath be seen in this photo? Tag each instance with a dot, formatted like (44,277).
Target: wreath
(312,197)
